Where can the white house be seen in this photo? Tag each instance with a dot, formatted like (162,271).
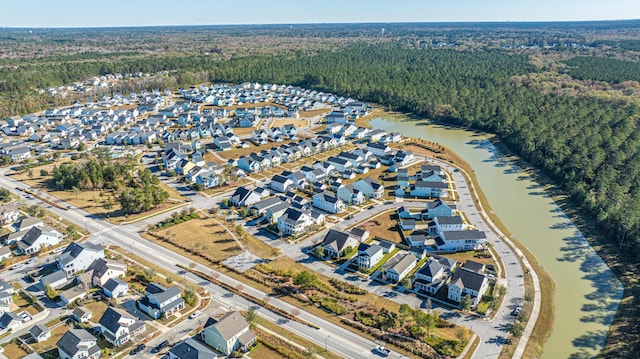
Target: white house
(336,242)
(229,334)
(161,302)
(328,202)
(349,194)
(118,327)
(78,344)
(448,223)
(465,282)
(79,256)
(37,238)
(369,188)
(369,255)
(280,183)
(294,222)
(379,149)
(396,268)
(461,240)
(424,189)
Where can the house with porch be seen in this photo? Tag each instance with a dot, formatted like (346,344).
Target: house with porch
(160,302)
(336,242)
(398,267)
(465,282)
(229,334)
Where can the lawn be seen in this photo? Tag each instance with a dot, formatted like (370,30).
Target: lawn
(12,350)
(262,351)
(210,157)
(97,308)
(470,255)
(384,225)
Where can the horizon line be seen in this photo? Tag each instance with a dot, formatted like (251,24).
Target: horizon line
(324,23)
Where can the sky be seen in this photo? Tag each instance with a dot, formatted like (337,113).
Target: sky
(112,13)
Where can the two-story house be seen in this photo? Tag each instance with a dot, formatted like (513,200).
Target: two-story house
(465,282)
(229,334)
(328,202)
(336,242)
(79,256)
(37,238)
(396,268)
(369,255)
(78,344)
(161,302)
(118,326)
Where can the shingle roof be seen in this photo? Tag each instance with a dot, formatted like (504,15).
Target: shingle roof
(113,283)
(230,325)
(468,279)
(463,235)
(111,317)
(70,340)
(38,329)
(192,349)
(31,237)
(337,239)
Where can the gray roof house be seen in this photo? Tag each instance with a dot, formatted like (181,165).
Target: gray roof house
(39,333)
(465,282)
(9,321)
(160,301)
(191,349)
(81,314)
(118,326)
(115,287)
(77,344)
(79,256)
(56,279)
(229,334)
(37,238)
(398,267)
(335,242)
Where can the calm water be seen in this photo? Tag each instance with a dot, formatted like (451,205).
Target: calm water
(587,293)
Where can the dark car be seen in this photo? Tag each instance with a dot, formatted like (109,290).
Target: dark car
(159,347)
(138,349)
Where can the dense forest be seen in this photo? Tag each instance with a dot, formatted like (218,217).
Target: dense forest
(590,147)
(603,69)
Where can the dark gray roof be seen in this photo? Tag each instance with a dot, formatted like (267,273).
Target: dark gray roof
(230,325)
(430,184)
(38,329)
(113,283)
(437,203)
(54,277)
(473,266)
(267,203)
(280,179)
(449,220)
(7,318)
(430,268)
(358,232)
(111,317)
(463,235)
(341,239)
(70,340)
(80,311)
(192,349)
(468,279)
(28,221)
(31,237)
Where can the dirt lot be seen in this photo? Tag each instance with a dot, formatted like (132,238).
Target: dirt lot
(387,227)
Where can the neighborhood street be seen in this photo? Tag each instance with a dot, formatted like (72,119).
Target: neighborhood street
(343,342)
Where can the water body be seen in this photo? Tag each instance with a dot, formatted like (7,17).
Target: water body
(587,293)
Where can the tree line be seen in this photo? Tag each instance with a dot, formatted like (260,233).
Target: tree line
(588,146)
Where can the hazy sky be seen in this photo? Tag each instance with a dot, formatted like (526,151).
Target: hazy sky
(83,13)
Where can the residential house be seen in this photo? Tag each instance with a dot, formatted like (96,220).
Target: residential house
(469,283)
(27,222)
(78,344)
(118,327)
(115,288)
(369,188)
(229,334)
(244,197)
(161,302)
(461,240)
(369,255)
(79,256)
(439,208)
(261,207)
(360,234)
(433,274)
(191,349)
(55,280)
(81,314)
(337,117)
(9,321)
(280,183)
(336,242)
(379,149)
(340,164)
(328,202)
(36,239)
(9,213)
(294,222)
(6,296)
(422,189)
(349,194)
(73,294)
(398,267)
(39,333)
(448,223)
(105,269)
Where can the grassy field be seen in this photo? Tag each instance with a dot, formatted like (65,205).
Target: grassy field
(210,237)
(12,350)
(210,157)
(262,351)
(239,152)
(470,255)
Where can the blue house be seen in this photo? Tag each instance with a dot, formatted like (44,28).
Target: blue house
(115,287)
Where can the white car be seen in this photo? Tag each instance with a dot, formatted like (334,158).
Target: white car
(17,265)
(195,314)
(32,260)
(59,249)
(382,351)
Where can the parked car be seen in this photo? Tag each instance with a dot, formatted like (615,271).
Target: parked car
(195,314)
(160,346)
(138,349)
(17,265)
(59,249)
(370,207)
(32,260)
(382,351)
